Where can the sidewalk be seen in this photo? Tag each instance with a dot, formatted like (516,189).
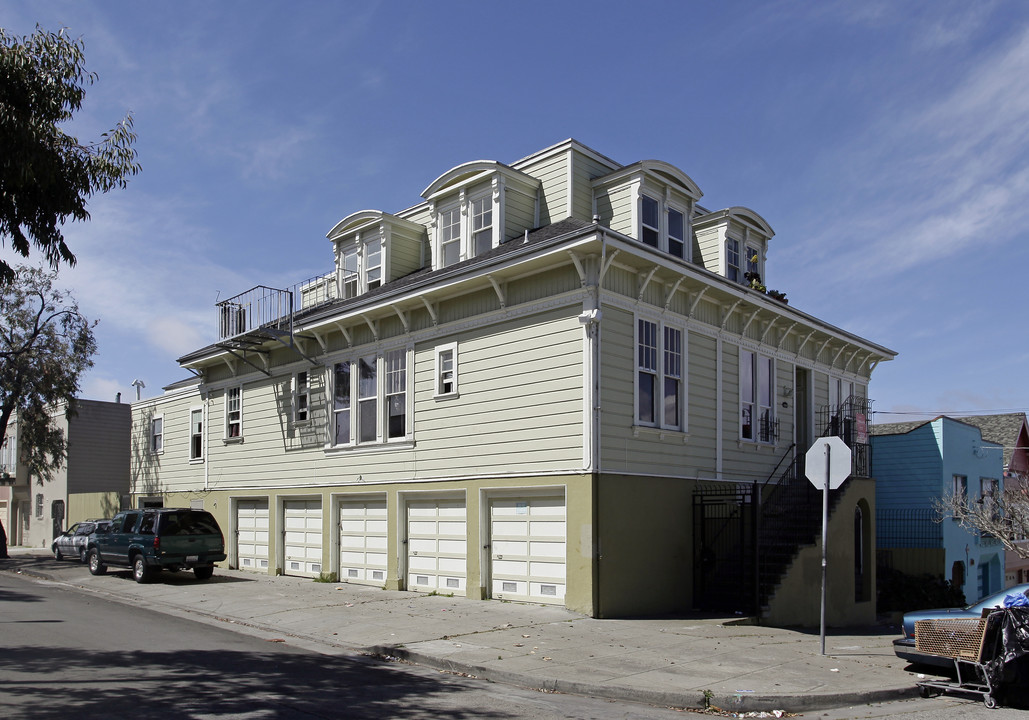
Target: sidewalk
(671,662)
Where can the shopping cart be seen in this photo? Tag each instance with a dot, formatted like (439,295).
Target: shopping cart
(983,650)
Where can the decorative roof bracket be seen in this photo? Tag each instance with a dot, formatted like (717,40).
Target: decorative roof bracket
(729,312)
(498,290)
(671,293)
(432,311)
(646,281)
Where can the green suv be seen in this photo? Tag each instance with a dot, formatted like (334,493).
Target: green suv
(157,539)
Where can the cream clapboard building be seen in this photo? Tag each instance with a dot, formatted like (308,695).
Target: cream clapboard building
(511,390)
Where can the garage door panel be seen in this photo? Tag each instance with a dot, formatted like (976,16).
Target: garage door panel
(302,539)
(454,528)
(513,528)
(453,547)
(510,547)
(362,529)
(437,545)
(548,549)
(252,522)
(528,548)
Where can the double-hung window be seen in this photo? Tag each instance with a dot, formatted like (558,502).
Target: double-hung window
(341,404)
(367,399)
(482,224)
(676,233)
(396,394)
(157,434)
(196,434)
(234,413)
(753,260)
(301,397)
(450,236)
(373,264)
(732,260)
(960,494)
(650,221)
(446,370)
(659,376)
(757,386)
(349,266)
(988,491)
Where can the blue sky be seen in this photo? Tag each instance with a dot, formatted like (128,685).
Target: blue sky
(885,142)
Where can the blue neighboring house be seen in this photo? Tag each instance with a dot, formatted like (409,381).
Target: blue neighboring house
(915,462)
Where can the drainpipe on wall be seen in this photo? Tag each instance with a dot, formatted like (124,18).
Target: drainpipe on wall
(207,442)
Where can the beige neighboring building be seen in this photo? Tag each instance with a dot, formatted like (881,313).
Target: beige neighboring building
(93,482)
(558,380)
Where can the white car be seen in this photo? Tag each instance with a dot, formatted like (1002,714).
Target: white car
(72,543)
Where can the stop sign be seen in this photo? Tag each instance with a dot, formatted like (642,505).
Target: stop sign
(816,465)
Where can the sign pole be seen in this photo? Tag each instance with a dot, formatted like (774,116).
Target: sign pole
(825,537)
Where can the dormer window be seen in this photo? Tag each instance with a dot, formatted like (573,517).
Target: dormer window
(732,260)
(348,273)
(482,224)
(676,233)
(450,236)
(373,263)
(360,267)
(663,226)
(650,224)
(373,248)
(468,205)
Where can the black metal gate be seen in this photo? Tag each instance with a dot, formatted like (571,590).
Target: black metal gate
(725,523)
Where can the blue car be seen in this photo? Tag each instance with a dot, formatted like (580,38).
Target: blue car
(905,647)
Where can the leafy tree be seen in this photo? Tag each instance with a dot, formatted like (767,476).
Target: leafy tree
(45,347)
(46,176)
(1003,516)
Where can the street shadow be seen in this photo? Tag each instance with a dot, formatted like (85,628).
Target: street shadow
(180,577)
(283,682)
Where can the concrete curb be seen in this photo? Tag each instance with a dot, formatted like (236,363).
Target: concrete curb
(736,702)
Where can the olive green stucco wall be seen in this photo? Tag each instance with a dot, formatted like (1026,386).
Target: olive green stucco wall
(798,599)
(645,558)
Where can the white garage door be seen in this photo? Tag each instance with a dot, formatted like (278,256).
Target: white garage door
(252,534)
(302,537)
(437,546)
(362,541)
(527,549)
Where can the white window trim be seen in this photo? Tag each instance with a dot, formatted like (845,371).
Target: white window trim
(437,393)
(384,396)
(381,407)
(203,434)
(460,207)
(151,434)
(227,438)
(464,205)
(295,394)
(664,205)
(739,260)
(683,427)
(755,419)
